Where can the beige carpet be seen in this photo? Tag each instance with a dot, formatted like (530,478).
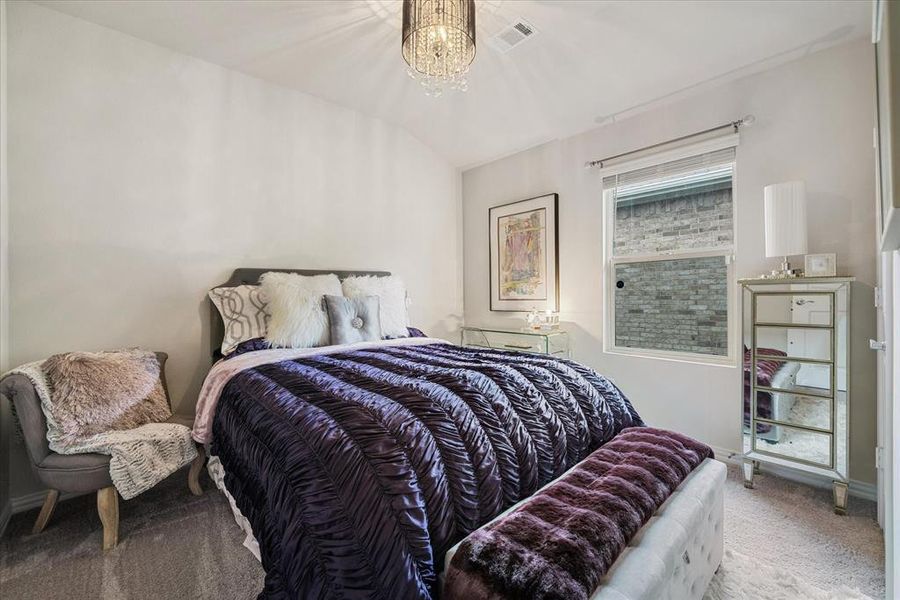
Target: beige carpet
(746,578)
(174,545)
(793,527)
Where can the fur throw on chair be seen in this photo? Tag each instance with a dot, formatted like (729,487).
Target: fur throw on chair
(95,392)
(112,403)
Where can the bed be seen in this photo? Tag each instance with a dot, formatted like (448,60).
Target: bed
(354,469)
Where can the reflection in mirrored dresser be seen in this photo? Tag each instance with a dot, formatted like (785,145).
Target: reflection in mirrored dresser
(796,392)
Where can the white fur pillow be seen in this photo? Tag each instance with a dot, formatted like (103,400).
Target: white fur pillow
(391,300)
(298,318)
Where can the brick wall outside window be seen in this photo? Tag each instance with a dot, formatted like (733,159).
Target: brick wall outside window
(675,304)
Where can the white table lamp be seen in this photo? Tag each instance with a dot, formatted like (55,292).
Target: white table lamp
(785,205)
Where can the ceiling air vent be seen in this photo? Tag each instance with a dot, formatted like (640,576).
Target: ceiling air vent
(512,36)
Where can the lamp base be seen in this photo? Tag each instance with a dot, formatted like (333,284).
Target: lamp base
(784,271)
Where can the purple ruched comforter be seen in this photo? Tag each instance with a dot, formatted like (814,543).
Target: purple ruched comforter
(359,470)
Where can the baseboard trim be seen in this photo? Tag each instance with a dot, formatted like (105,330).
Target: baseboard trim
(858,489)
(33,500)
(27,502)
(5,515)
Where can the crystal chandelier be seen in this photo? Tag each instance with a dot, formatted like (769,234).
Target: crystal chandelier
(439,42)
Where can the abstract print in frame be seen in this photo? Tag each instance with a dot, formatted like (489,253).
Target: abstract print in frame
(523,255)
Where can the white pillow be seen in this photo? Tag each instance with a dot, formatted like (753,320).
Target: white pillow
(391,300)
(295,301)
(244,312)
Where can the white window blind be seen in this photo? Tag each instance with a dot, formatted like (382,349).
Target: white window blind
(686,172)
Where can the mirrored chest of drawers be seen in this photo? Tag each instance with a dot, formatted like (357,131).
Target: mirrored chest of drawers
(554,343)
(796,392)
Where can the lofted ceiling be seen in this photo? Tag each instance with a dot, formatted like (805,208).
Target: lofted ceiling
(589,62)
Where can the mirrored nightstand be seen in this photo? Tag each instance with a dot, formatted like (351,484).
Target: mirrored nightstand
(797,400)
(554,343)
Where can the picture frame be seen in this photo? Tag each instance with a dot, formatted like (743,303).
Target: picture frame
(524,255)
(820,265)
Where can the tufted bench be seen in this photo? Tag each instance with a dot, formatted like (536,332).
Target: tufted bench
(675,554)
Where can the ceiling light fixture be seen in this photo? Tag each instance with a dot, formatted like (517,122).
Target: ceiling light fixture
(439,42)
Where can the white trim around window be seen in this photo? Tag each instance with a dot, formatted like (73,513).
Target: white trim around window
(610,261)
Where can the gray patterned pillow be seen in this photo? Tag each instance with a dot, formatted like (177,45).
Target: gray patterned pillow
(244,312)
(353,320)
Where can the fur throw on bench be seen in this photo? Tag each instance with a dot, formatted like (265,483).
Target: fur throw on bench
(561,542)
(112,403)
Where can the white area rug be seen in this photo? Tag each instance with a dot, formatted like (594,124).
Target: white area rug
(742,577)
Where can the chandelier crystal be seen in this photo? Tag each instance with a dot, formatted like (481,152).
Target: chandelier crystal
(439,42)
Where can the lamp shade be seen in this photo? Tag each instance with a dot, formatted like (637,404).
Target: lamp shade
(785,205)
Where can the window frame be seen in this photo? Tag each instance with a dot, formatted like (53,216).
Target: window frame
(611,260)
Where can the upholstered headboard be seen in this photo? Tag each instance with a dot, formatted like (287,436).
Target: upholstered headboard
(248,276)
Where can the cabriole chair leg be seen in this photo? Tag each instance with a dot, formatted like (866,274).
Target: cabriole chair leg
(194,473)
(46,511)
(108,507)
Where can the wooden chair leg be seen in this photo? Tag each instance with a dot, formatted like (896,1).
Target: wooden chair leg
(108,507)
(194,473)
(46,511)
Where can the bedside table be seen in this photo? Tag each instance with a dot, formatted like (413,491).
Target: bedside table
(553,343)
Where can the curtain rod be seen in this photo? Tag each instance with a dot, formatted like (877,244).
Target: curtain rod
(735,125)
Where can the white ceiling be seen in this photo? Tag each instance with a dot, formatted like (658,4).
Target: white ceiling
(590,60)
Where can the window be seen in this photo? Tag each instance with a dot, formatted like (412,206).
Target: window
(670,239)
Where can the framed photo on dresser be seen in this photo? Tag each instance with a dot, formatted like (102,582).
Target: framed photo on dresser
(524,261)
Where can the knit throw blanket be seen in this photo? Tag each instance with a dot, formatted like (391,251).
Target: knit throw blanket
(139,458)
(561,542)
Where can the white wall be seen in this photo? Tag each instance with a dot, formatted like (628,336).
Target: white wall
(814,122)
(141,177)
(4,278)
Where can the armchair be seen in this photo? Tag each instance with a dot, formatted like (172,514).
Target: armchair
(75,473)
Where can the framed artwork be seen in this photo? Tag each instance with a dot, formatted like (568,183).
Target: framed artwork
(524,255)
(820,265)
